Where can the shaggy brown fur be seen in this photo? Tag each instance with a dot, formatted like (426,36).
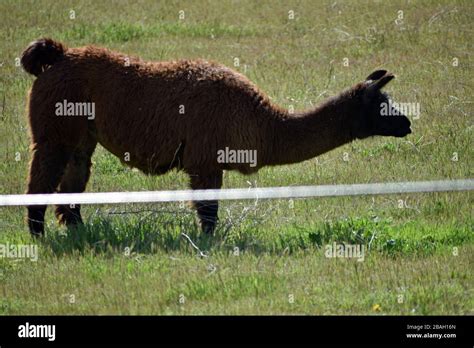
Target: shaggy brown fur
(137,112)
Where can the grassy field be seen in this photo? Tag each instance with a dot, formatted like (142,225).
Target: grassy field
(268,257)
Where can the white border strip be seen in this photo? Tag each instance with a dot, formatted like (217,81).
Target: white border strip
(232,194)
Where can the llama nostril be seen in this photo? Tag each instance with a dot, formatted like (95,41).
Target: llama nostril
(409,127)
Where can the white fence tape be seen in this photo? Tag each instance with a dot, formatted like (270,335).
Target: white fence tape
(241,193)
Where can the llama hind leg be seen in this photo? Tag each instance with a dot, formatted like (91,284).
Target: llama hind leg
(46,169)
(75,180)
(207,210)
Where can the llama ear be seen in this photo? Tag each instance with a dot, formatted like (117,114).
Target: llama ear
(377,74)
(380,83)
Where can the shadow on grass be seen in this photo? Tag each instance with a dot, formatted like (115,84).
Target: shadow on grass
(146,233)
(151,231)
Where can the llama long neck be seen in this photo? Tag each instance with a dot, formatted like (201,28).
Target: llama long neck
(302,136)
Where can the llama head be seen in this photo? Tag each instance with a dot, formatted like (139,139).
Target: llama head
(377,115)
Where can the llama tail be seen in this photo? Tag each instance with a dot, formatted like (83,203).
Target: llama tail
(41,54)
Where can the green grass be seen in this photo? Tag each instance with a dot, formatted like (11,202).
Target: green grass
(138,259)
(123,32)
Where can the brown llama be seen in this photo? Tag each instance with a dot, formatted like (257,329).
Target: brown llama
(175,115)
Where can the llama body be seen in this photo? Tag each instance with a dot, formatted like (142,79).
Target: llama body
(163,115)
(157,116)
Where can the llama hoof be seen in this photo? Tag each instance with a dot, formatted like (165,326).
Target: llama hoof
(74,226)
(208,228)
(71,221)
(36,229)
(37,235)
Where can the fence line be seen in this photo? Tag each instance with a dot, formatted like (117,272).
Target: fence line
(239,193)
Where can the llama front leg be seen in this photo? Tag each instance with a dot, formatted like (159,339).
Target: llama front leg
(207,213)
(207,210)
(46,169)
